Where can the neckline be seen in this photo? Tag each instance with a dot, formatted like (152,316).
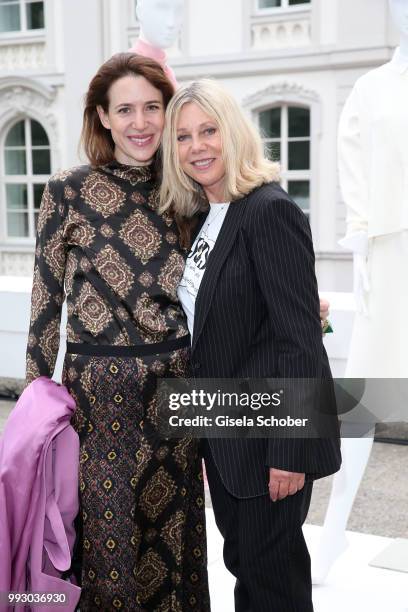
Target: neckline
(216,213)
(134,174)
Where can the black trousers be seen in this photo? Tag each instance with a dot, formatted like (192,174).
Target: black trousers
(264,547)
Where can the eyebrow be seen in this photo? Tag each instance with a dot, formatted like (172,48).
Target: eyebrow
(200,126)
(131,103)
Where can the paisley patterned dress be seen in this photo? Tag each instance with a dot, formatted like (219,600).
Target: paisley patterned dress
(102,244)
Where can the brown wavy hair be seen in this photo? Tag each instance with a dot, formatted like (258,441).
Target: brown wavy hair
(96,141)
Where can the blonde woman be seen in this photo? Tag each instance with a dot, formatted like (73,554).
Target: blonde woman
(250,295)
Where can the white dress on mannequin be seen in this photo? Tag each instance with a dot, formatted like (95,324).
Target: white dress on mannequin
(373,166)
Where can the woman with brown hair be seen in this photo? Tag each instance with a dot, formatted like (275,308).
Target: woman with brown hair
(103,243)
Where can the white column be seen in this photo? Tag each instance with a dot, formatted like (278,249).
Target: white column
(83,53)
(116,19)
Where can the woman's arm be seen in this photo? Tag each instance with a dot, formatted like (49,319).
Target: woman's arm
(282,253)
(48,284)
(353,171)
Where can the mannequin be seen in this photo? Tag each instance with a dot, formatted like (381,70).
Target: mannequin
(373,169)
(160,24)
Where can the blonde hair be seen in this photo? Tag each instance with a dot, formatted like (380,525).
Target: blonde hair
(243,153)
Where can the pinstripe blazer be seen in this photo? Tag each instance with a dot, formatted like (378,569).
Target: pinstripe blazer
(257,316)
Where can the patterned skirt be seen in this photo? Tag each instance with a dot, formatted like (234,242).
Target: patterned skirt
(142,511)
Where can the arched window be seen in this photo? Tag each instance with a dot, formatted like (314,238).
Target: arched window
(26,168)
(286,133)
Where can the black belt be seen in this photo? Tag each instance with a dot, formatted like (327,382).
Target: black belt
(138,350)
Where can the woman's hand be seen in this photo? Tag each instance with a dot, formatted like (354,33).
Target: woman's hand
(324,309)
(282,484)
(324,313)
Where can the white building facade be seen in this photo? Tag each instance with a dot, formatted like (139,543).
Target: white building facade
(290,63)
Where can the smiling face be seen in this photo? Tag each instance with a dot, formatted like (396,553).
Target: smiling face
(135,118)
(200,150)
(160,21)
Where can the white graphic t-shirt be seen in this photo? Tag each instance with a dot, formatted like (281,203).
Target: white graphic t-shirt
(197,260)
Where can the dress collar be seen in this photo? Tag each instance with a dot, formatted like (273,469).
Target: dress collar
(399,62)
(133,174)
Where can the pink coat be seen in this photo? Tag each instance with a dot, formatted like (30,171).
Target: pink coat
(39,456)
(147,50)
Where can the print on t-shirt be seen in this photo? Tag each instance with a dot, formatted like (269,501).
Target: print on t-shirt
(199,253)
(197,260)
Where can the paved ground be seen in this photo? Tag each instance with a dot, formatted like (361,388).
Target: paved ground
(381,504)
(5,408)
